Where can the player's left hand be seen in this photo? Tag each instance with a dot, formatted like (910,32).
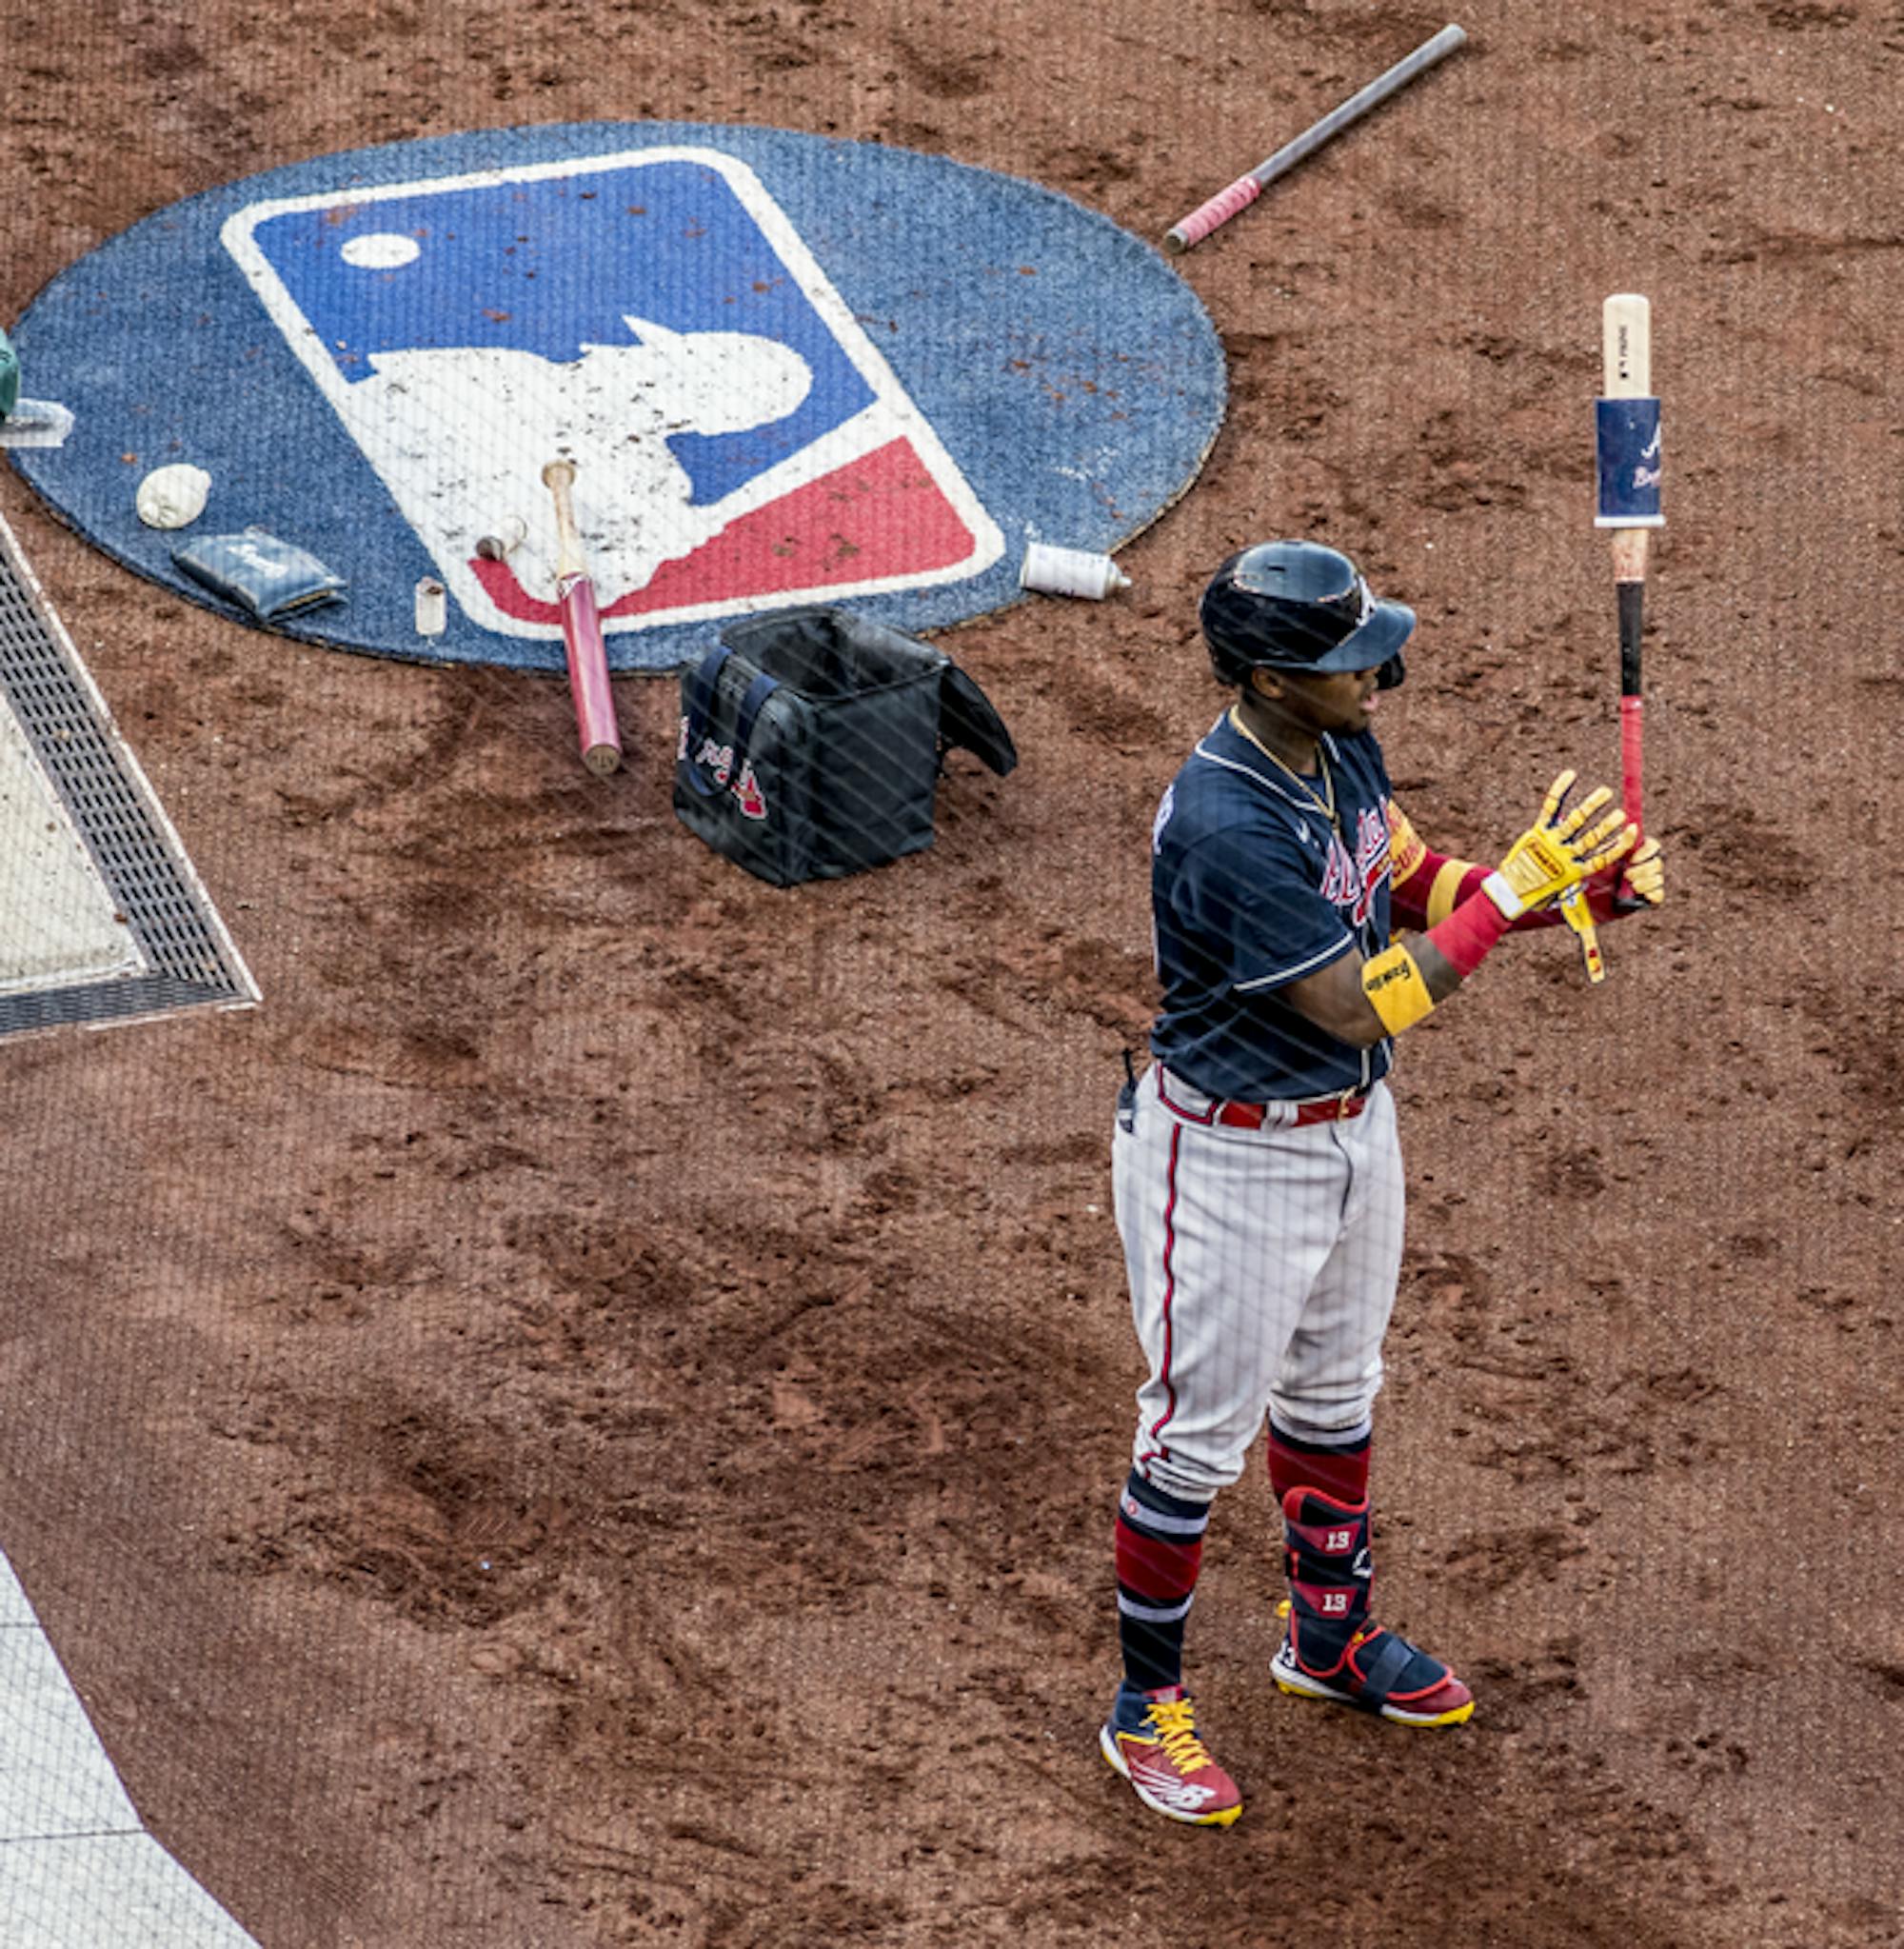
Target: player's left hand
(1638,881)
(1561,850)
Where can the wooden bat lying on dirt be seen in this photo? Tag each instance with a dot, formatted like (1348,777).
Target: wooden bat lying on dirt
(1248,187)
(582,631)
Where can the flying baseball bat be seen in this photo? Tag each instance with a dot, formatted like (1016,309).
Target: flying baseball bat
(1627,439)
(1246,189)
(582,631)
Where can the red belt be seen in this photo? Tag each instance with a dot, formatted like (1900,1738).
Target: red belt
(1327,1110)
(1321,1109)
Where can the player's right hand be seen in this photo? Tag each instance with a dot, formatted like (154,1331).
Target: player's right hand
(1642,880)
(1560,849)
(1630,886)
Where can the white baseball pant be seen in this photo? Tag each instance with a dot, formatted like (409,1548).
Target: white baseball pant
(1262,1268)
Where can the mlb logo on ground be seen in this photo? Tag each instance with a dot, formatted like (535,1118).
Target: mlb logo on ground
(788,369)
(740,443)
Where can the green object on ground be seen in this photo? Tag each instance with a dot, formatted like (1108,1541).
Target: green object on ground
(10,378)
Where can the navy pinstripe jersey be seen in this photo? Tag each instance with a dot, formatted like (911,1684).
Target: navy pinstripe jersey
(1252,888)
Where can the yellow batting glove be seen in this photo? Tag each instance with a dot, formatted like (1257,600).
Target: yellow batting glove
(1575,912)
(1560,849)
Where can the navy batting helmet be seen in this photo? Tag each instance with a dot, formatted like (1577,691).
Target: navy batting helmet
(1298,606)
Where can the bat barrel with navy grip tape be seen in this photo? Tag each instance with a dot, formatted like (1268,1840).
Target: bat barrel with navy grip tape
(1626,427)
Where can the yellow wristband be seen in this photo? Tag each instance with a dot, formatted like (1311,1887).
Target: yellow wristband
(1397,989)
(1446,889)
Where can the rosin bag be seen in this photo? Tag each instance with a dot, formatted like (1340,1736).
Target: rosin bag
(263,575)
(812,741)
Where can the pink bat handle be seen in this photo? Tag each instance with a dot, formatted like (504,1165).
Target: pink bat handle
(1631,716)
(1245,190)
(1220,209)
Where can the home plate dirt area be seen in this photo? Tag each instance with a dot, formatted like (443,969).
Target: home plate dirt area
(592,1414)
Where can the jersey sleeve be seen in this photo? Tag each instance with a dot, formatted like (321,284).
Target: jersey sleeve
(1407,850)
(1253,896)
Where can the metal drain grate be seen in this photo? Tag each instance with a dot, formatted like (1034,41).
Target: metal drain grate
(190,961)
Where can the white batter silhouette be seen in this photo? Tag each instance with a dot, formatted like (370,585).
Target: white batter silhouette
(460,435)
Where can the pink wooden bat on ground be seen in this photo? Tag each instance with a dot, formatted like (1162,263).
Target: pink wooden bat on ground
(582,631)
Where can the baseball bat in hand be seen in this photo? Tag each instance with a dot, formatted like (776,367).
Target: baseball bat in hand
(582,631)
(1626,438)
(1628,442)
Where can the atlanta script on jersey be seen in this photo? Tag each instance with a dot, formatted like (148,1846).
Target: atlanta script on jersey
(1253,887)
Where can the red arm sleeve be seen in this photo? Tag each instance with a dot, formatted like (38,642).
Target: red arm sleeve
(1425,887)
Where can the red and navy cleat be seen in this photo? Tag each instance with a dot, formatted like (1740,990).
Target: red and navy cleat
(1151,1739)
(1331,1650)
(1379,1670)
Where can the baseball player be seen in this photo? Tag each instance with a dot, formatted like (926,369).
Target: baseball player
(1257,1178)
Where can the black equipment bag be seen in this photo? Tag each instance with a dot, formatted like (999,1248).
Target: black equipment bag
(812,741)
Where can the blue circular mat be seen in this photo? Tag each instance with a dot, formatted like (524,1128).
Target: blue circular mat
(788,370)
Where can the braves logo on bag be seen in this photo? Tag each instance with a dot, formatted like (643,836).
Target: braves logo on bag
(717,759)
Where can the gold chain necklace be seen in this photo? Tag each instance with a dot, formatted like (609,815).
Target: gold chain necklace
(1326,806)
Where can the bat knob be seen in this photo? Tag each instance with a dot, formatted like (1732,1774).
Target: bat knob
(603,758)
(558,473)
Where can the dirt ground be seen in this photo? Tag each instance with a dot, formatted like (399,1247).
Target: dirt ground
(592,1418)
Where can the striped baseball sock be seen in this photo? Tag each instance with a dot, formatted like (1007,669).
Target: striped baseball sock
(1337,1469)
(1159,1549)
